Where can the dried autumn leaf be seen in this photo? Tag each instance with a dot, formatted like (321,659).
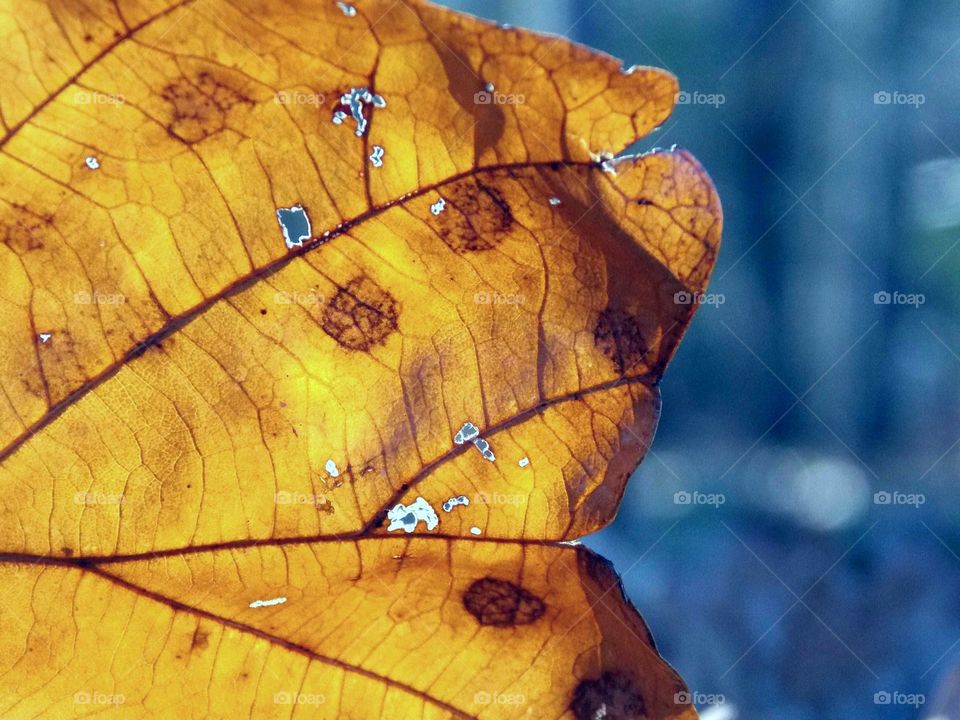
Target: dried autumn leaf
(392,627)
(197,415)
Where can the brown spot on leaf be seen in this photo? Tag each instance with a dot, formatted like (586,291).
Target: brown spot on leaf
(476,216)
(360,315)
(612,696)
(501,603)
(22,233)
(618,335)
(200,639)
(200,106)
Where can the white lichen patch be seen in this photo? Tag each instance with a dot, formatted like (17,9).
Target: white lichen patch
(376,157)
(471,433)
(347,9)
(356,99)
(454,501)
(524,461)
(295,225)
(607,161)
(467,433)
(484,447)
(268,603)
(438,206)
(405,517)
(92,162)
(331,468)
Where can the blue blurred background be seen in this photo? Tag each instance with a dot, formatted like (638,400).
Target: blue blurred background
(792,537)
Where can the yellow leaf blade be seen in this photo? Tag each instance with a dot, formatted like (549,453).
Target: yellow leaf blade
(465,629)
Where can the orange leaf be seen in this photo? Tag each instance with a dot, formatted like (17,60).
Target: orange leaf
(279,284)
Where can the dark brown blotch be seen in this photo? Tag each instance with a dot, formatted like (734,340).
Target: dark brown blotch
(476,216)
(200,640)
(501,603)
(200,106)
(611,696)
(360,315)
(23,232)
(618,335)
